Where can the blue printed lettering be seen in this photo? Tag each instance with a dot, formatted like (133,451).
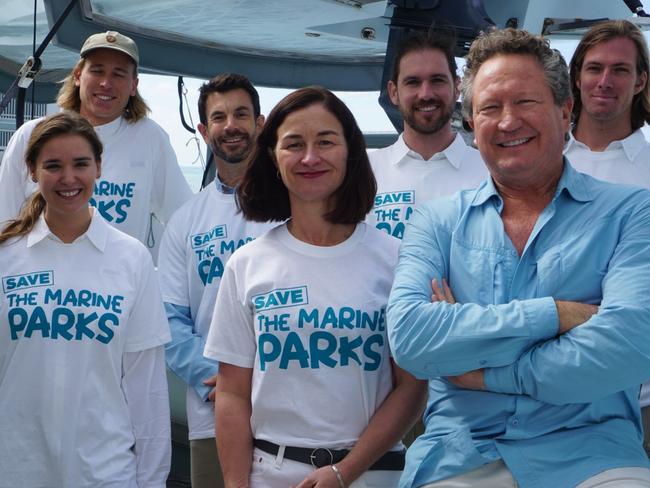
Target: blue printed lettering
(293,350)
(84,298)
(391,214)
(38,321)
(82,326)
(392,198)
(18,299)
(345,317)
(286,297)
(29,280)
(232,246)
(275,323)
(398,231)
(346,350)
(105,188)
(102,324)
(322,355)
(61,324)
(322,350)
(199,240)
(266,355)
(105,209)
(305,317)
(18,318)
(210,269)
(375,356)
(60,328)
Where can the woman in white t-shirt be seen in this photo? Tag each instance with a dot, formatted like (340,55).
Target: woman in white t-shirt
(83,392)
(307,393)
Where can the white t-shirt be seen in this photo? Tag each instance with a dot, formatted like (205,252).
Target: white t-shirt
(405,180)
(310,322)
(626,161)
(140,176)
(198,241)
(68,315)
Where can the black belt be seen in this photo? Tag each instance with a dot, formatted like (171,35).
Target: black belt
(322,456)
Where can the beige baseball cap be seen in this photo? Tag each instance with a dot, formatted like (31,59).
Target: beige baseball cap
(111,40)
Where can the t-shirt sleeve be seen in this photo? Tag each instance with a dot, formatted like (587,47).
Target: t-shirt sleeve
(231,338)
(147,326)
(170,188)
(15,185)
(172,264)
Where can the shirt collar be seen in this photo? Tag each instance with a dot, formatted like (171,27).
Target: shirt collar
(571,181)
(97,232)
(631,145)
(223,188)
(454,153)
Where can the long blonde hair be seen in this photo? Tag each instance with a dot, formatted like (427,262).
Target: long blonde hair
(57,125)
(68,97)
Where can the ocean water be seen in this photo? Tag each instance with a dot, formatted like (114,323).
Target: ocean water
(193,175)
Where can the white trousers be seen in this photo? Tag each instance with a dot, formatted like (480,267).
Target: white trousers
(271,471)
(497,475)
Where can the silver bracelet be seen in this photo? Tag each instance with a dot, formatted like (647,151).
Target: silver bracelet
(339,478)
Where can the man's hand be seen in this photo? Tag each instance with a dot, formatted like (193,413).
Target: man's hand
(472,380)
(573,314)
(321,478)
(441,294)
(211,381)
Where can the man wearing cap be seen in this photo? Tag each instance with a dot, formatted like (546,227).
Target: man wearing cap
(140,174)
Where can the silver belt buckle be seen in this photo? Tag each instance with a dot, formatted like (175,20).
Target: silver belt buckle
(312,456)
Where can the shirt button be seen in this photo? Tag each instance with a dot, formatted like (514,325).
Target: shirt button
(515,422)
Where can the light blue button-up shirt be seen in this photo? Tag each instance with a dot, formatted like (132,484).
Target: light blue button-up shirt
(559,409)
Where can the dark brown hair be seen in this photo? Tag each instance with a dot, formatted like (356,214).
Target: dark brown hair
(57,125)
(222,84)
(441,39)
(262,195)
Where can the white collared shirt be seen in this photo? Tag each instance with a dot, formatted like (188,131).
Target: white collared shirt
(626,161)
(405,180)
(70,313)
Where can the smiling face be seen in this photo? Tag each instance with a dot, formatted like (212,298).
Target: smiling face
(425,91)
(106,81)
(232,127)
(65,170)
(608,81)
(518,127)
(311,154)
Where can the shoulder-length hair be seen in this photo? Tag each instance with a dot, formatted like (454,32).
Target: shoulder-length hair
(263,197)
(57,125)
(607,31)
(69,99)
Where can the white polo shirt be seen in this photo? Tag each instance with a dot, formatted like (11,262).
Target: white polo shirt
(405,180)
(140,176)
(626,161)
(198,242)
(68,315)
